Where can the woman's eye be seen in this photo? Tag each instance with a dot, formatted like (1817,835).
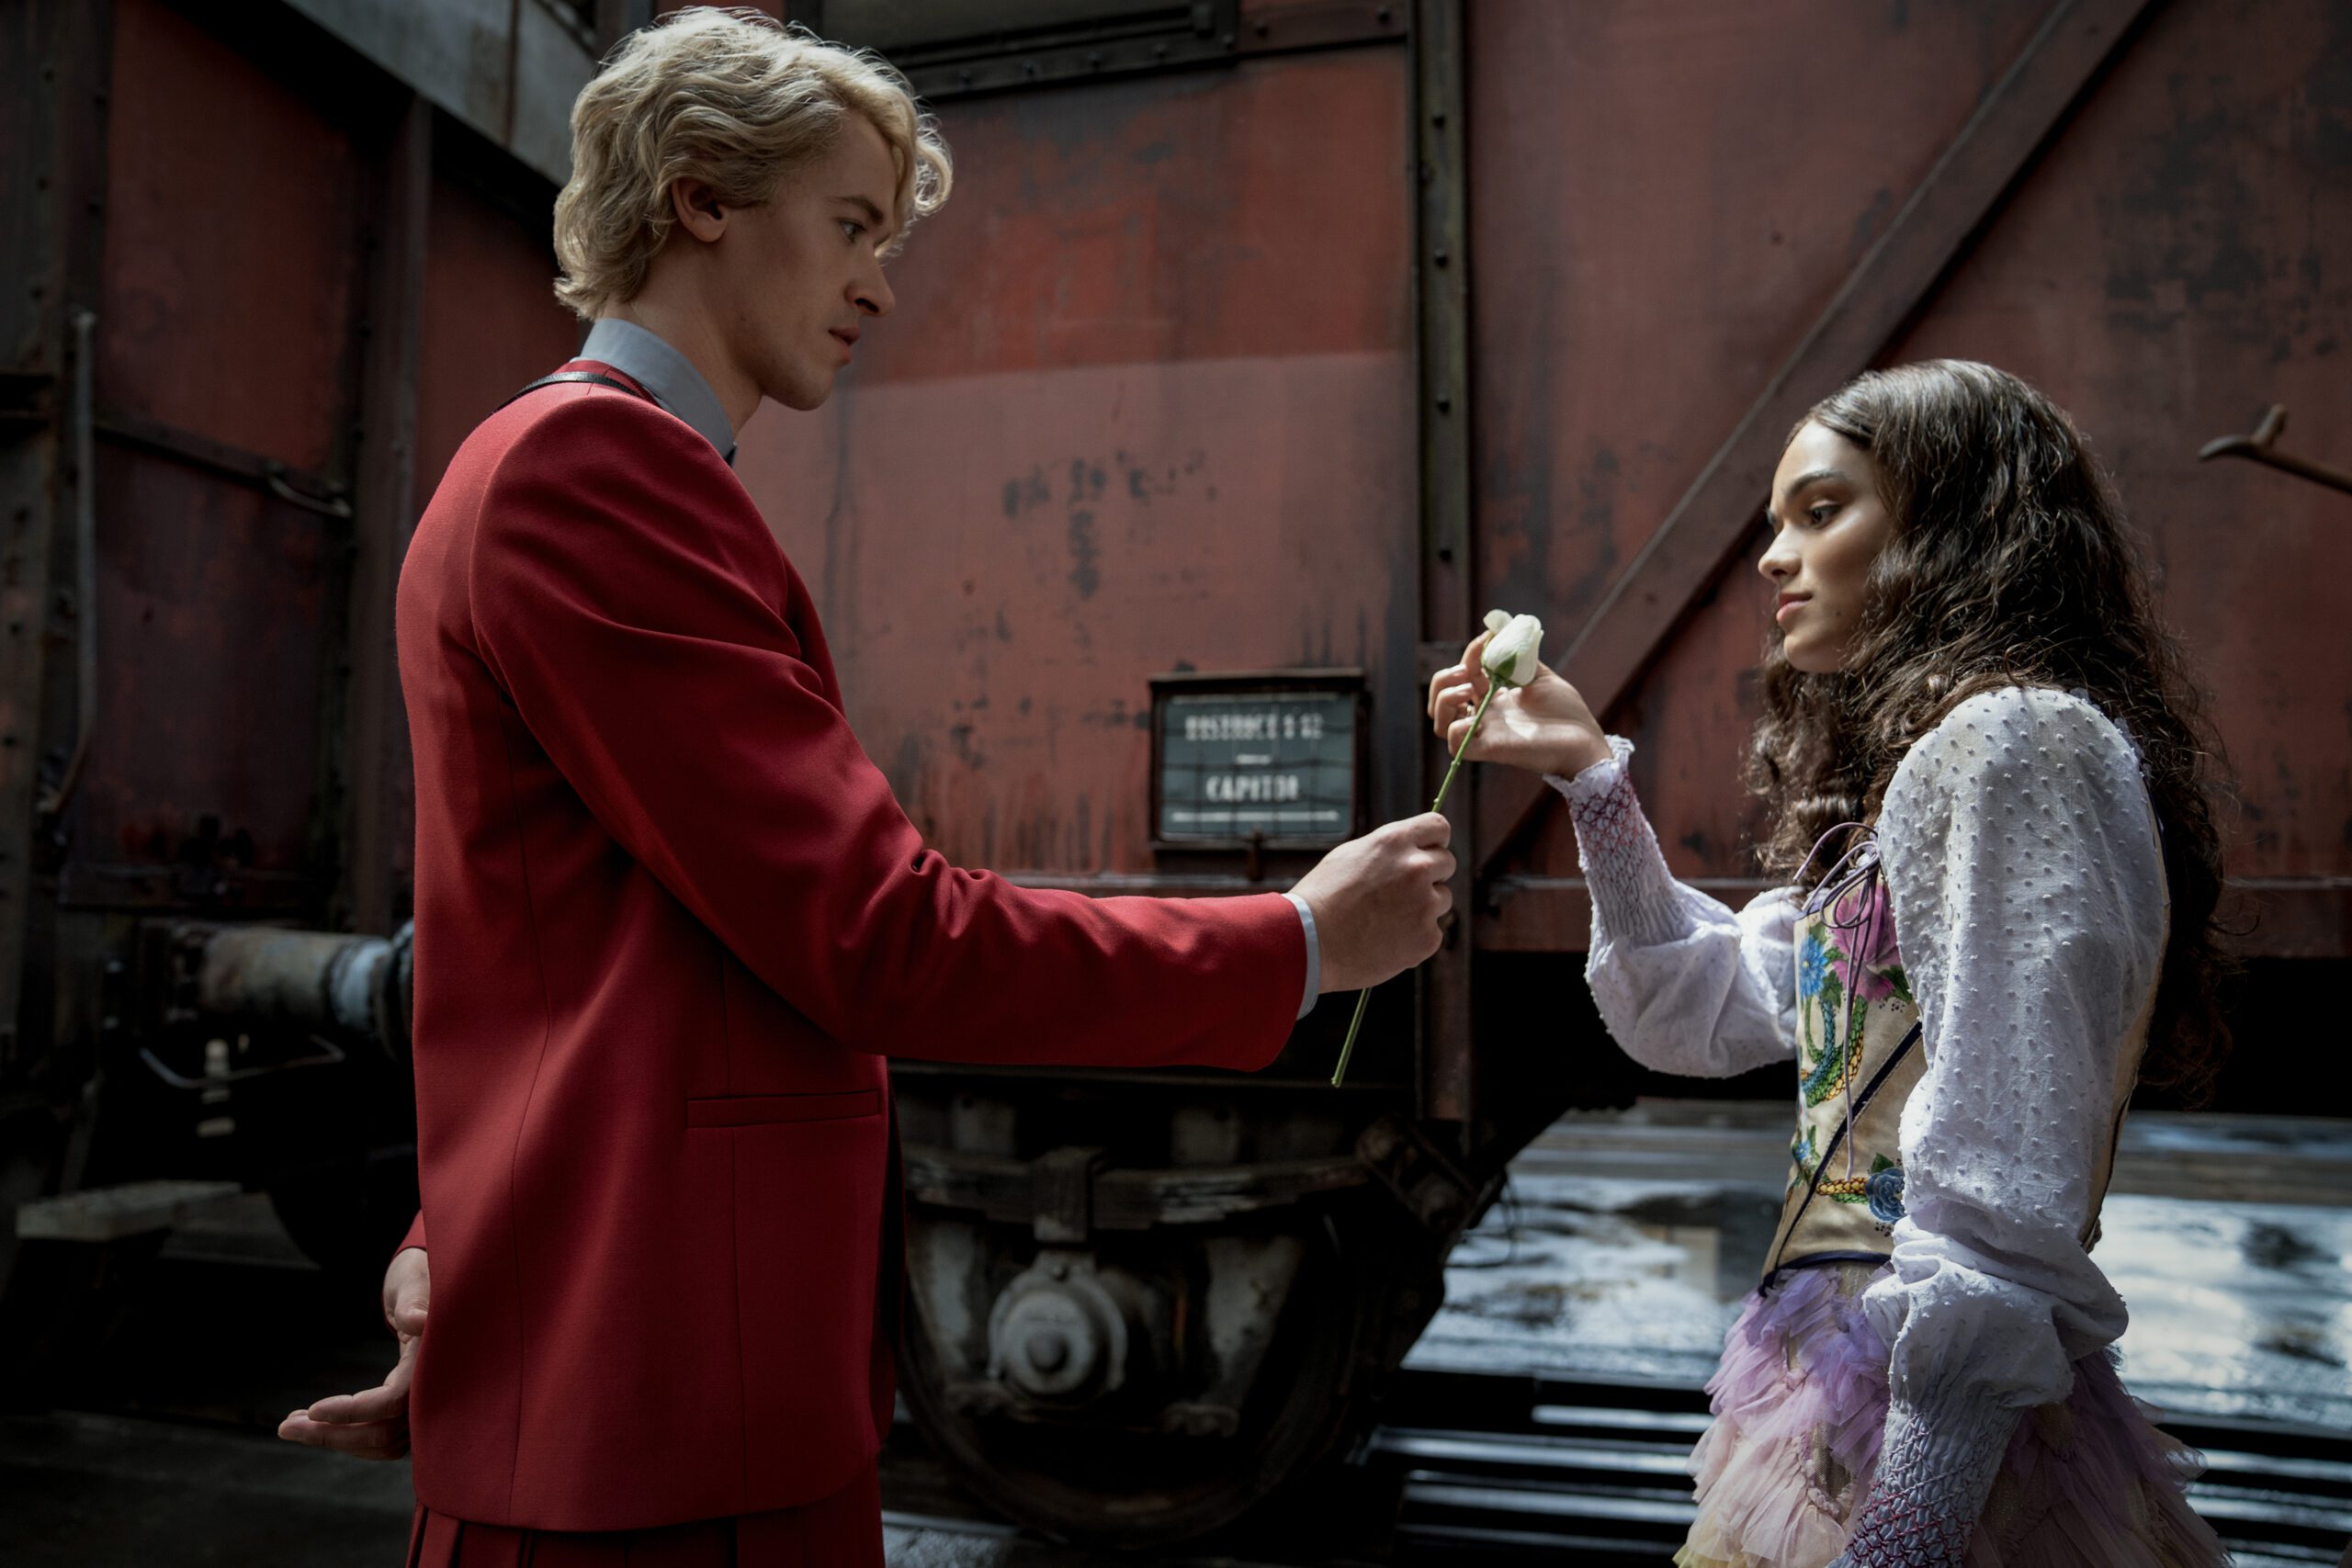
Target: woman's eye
(1821,512)
(851,229)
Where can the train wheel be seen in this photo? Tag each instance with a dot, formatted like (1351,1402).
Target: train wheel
(1107,1482)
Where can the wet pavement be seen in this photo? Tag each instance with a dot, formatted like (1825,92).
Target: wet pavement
(1627,1243)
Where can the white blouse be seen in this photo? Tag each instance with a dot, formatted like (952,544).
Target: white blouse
(2020,850)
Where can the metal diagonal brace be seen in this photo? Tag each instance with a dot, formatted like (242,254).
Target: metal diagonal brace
(1645,606)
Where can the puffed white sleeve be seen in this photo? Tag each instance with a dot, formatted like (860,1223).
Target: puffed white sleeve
(2021,853)
(1684,985)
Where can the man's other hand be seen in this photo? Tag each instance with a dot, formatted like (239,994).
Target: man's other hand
(1378,900)
(374,1424)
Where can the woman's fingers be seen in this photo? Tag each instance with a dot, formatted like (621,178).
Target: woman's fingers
(1454,675)
(1451,703)
(1443,682)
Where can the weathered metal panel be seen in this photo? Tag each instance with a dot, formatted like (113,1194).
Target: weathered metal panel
(2181,259)
(1663,199)
(226,321)
(233,265)
(212,600)
(490,321)
(2165,268)
(1145,404)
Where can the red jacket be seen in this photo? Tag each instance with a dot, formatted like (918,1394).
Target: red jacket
(668,922)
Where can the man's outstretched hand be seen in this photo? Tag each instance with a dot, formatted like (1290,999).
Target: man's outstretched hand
(374,1424)
(1378,901)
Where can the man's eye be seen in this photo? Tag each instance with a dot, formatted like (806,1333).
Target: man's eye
(851,229)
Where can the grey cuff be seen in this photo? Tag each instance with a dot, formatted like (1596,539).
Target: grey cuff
(1313,954)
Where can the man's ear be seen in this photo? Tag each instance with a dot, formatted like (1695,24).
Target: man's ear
(698,210)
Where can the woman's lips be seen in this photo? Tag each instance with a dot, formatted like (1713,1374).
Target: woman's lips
(1787,604)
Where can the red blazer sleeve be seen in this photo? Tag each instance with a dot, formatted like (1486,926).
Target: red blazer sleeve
(631,602)
(416,1236)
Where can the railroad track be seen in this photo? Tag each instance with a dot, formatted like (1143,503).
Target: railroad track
(1474,1467)
(1498,1468)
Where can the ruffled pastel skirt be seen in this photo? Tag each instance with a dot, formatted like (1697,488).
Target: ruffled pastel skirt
(1800,1403)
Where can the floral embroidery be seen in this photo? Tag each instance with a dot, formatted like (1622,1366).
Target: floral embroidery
(1885,1188)
(1841,1049)
(1812,967)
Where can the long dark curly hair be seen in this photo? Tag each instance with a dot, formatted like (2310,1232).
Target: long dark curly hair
(2010,564)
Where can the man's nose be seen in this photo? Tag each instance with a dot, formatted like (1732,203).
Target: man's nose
(875,298)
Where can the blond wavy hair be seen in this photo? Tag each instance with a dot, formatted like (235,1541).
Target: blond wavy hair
(731,97)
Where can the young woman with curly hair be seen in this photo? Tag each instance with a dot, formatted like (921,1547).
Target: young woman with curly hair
(1982,762)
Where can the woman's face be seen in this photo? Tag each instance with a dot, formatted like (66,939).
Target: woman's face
(1829,525)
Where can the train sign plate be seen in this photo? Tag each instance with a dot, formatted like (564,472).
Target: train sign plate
(1273,764)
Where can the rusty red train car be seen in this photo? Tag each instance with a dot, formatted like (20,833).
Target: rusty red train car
(1265,345)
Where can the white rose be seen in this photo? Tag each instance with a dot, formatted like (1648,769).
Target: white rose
(1514,649)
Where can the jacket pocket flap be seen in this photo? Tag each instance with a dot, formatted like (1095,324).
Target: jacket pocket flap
(759,1109)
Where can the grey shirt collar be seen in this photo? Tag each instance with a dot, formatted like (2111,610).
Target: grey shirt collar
(661,370)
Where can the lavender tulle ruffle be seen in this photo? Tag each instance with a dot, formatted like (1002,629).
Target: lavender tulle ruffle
(1800,1403)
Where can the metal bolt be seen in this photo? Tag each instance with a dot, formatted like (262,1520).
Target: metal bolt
(114,966)
(1445,403)
(1437,117)
(110,1023)
(1264,26)
(1381,16)
(1442,256)
(1094,59)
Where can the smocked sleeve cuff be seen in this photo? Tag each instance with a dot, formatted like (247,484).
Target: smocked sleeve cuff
(1635,900)
(1935,1469)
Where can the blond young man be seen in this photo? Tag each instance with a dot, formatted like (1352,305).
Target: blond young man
(670,920)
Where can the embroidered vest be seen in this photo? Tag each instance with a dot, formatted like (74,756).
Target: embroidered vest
(1860,1054)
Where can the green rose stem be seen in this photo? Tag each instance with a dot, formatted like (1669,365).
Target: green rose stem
(1364,995)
